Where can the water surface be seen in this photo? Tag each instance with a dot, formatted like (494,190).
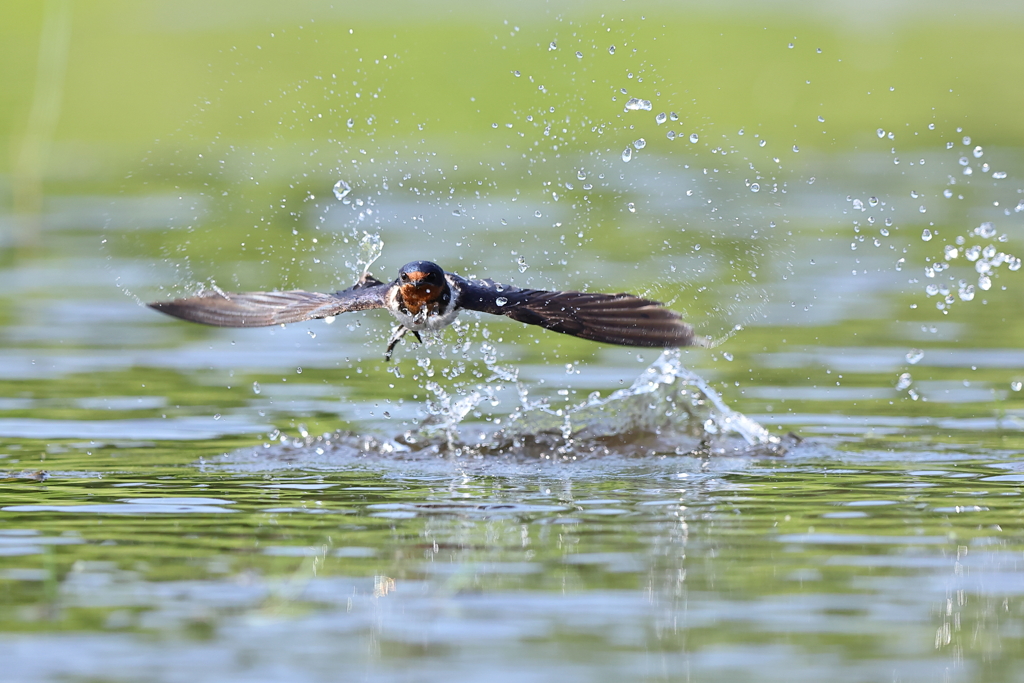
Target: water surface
(831,491)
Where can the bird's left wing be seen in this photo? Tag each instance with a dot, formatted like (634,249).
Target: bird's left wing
(621,319)
(260,309)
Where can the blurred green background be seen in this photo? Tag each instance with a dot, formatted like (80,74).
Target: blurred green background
(91,89)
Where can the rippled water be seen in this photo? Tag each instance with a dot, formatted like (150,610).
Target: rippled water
(831,491)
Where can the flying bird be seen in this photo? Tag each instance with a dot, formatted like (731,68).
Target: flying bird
(425,298)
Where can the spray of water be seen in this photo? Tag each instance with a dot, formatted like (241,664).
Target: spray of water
(668,410)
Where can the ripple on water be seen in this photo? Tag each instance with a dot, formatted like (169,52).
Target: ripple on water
(134,506)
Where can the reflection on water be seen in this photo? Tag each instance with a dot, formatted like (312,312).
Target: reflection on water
(439,566)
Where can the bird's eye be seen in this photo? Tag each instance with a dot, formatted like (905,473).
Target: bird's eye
(405,277)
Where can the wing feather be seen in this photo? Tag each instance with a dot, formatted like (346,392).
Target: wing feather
(261,309)
(621,319)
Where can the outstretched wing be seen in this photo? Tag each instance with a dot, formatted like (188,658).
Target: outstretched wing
(610,318)
(260,309)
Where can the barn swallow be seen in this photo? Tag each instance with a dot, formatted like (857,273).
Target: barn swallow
(424,298)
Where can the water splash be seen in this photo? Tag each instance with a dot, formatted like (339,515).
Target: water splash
(370,249)
(446,413)
(341,188)
(667,410)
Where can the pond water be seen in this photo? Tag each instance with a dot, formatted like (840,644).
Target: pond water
(832,490)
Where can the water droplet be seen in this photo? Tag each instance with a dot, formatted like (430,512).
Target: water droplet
(637,104)
(858,205)
(986,230)
(588,186)
(350,123)
(762,143)
(949,145)
(611,49)
(884,232)
(899,264)
(552,46)
(537,214)
(671,135)
(754,187)
(581,174)
(521,262)
(904,381)
(516,74)
(921,209)
(950,252)
(967,139)
(728,356)
(693,137)
(984,282)
(966,291)
(631,207)
(661,118)
(999,175)
(872,201)
(639,143)
(673,116)
(627,154)
(501,301)
(821,119)
(926,235)
(978,152)
(1015,385)
(341,189)
(931,290)
(881,132)
(795,148)
(1013,263)
(256,388)
(914,356)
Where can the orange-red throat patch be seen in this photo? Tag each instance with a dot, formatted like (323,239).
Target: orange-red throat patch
(415,297)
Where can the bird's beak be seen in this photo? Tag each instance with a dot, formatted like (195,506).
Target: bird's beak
(418,282)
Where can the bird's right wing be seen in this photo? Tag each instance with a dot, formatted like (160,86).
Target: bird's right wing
(260,309)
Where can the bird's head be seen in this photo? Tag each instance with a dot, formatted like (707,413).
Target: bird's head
(421,282)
